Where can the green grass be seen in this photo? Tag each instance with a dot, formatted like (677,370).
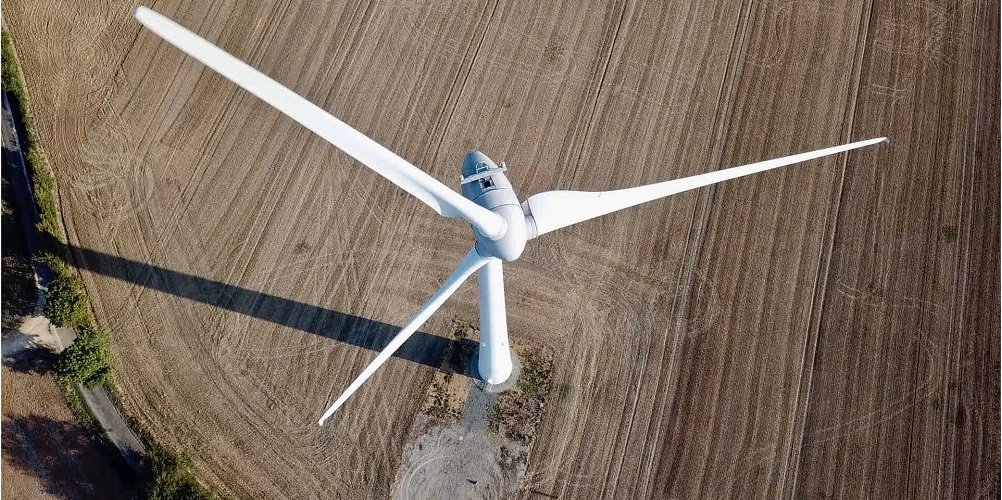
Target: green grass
(166,471)
(564,391)
(75,400)
(12,80)
(54,250)
(172,476)
(950,233)
(553,52)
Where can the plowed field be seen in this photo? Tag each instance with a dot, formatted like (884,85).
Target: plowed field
(831,329)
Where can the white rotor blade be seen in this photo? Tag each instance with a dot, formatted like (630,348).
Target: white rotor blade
(468,266)
(386,163)
(553,210)
(494,364)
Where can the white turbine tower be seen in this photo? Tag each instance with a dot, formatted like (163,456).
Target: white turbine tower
(501,225)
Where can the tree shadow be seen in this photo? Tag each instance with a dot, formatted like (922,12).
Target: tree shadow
(423,348)
(64,458)
(34,360)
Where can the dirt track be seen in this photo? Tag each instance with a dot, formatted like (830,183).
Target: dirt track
(831,329)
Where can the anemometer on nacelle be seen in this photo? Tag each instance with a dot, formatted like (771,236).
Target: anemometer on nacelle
(484,171)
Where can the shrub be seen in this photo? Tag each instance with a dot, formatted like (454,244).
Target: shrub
(171,476)
(86,360)
(65,302)
(564,391)
(45,196)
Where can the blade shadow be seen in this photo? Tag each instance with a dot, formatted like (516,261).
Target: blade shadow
(424,348)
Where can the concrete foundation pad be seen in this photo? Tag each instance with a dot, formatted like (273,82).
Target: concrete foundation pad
(516,369)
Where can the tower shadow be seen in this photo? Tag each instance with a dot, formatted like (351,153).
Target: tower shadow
(423,348)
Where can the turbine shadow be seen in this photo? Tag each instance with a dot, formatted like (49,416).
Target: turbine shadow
(423,348)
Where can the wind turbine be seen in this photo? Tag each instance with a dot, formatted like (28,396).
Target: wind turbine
(501,224)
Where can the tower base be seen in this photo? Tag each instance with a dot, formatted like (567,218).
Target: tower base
(516,369)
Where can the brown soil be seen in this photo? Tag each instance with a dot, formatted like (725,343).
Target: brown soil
(451,383)
(827,330)
(46,453)
(519,410)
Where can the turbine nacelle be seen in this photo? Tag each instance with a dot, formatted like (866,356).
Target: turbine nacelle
(484,183)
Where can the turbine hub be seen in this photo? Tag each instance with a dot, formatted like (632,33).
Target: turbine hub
(511,243)
(484,183)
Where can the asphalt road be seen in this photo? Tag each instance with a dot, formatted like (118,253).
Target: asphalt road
(98,400)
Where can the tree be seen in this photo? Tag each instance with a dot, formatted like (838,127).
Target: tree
(65,302)
(86,360)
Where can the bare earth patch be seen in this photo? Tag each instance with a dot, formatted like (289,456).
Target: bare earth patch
(455,461)
(471,443)
(519,411)
(46,453)
(450,386)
